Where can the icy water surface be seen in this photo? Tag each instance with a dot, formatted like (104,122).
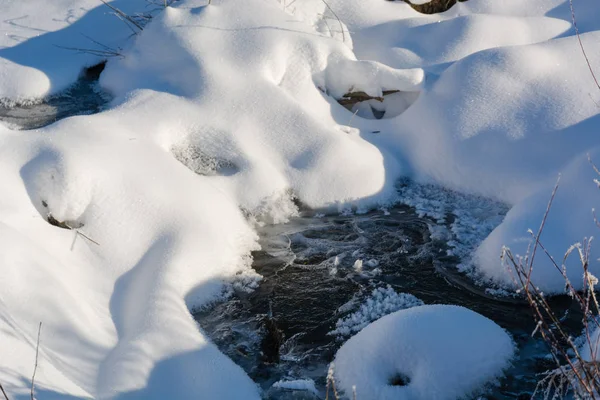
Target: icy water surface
(312,279)
(81,98)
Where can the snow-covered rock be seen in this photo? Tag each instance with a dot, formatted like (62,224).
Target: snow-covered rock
(438,352)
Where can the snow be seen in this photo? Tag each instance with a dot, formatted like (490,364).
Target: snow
(381,302)
(307,385)
(38,42)
(589,349)
(500,115)
(440,351)
(225,117)
(569,221)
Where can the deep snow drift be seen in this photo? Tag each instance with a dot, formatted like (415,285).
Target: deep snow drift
(222,113)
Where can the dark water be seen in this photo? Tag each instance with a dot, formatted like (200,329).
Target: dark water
(304,293)
(83,97)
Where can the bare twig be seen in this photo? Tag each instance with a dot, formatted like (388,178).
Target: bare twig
(331,383)
(37,352)
(95,52)
(87,237)
(126,18)
(336,17)
(587,60)
(4,392)
(573,373)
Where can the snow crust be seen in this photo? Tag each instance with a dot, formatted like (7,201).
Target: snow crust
(437,351)
(223,116)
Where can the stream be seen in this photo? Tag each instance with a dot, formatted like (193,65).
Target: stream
(319,269)
(282,330)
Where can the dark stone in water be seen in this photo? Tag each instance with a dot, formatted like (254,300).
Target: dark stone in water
(272,341)
(399,380)
(93,73)
(434,6)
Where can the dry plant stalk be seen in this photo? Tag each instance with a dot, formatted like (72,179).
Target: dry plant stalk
(37,353)
(574,373)
(338,19)
(587,60)
(125,18)
(331,383)
(3,392)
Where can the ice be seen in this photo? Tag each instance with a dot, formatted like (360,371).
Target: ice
(297,384)
(383,301)
(426,352)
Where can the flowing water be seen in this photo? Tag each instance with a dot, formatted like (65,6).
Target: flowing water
(311,280)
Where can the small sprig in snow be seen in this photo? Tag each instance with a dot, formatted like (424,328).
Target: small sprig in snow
(383,301)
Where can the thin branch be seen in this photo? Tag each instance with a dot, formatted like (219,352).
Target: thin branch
(87,237)
(543,223)
(95,52)
(123,15)
(4,392)
(37,352)
(339,20)
(587,60)
(105,47)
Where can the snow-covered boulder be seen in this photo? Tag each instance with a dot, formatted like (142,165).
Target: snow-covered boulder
(427,352)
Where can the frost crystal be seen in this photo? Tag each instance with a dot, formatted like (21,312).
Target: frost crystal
(383,301)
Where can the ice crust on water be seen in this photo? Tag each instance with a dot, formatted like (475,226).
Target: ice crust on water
(307,385)
(438,351)
(503,106)
(381,302)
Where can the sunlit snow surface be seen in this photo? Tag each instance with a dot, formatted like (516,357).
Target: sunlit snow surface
(223,118)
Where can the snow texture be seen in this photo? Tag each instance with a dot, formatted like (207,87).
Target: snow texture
(226,116)
(427,352)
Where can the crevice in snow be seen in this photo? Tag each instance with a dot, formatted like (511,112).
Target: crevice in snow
(202,162)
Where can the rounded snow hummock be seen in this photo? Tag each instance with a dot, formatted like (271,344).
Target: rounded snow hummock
(426,352)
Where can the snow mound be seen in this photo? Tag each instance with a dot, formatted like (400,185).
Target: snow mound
(225,116)
(427,352)
(383,301)
(570,219)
